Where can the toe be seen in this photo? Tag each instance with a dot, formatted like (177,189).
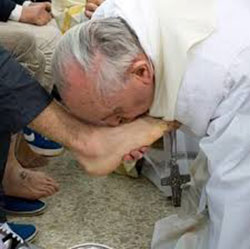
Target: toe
(53,183)
(55,187)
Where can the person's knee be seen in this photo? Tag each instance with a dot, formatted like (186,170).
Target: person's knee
(16,42)
(24,45)
(49,39)
(26,42)
(35,62)
(29,55)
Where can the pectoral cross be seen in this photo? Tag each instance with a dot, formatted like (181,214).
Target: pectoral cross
(175,180)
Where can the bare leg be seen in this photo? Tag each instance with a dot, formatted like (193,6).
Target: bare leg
(20,182)
(111,144)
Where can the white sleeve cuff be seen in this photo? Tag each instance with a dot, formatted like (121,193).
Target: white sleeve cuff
(26,3)
(16,13)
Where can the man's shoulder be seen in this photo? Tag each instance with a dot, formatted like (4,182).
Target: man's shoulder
(229,38)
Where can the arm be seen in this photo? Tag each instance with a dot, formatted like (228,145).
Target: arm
(227,148)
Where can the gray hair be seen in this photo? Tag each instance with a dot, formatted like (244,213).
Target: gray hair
(110,37)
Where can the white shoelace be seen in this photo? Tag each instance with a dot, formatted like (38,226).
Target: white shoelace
(7,230)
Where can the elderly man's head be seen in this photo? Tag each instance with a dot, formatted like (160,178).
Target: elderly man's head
(102,73)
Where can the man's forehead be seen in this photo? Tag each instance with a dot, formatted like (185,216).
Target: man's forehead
(77,74)
(97,63)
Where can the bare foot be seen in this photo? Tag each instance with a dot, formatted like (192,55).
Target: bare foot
(24,183)
(109,145)
(26,157)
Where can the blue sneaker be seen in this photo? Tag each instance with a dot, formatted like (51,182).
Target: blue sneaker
(40,144)
(27,232)
(9,239)
(20,206)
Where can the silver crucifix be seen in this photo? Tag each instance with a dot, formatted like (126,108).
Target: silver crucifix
(175,180)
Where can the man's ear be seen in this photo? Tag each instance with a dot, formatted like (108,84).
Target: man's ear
(142,70)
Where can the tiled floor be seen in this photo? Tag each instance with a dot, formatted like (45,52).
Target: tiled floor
(117,211)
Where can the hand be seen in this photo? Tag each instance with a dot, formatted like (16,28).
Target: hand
(91,7)
(36,13)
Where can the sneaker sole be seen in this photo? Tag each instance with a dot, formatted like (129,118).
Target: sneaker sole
(26,213)
(46,152)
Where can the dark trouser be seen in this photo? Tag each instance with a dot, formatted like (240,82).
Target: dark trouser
(4,148)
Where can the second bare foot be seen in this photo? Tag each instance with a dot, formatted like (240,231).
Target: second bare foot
(29,184)
(25,183)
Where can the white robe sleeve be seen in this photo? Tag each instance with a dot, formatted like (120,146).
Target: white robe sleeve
(227,148)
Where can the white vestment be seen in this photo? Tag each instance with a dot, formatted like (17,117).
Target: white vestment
(214,104)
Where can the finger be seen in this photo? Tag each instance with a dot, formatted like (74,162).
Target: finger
(47,6)
(96,2)
(48,18)
(88,14)
(43,20)
(91,7)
